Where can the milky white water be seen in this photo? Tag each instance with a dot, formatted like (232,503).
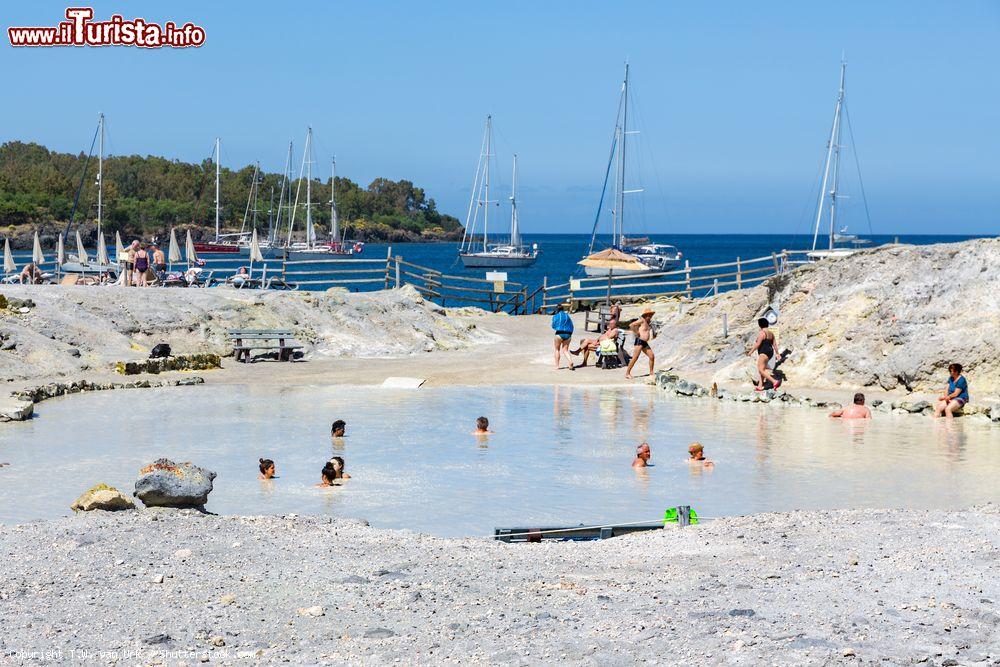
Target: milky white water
(560,455)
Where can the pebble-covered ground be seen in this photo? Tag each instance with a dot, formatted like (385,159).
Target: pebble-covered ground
(848,587)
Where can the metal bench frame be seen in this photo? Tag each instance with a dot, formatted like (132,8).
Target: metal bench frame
(242,349)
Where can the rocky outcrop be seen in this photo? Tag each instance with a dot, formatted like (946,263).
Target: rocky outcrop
(14,409)
(891,317)
(75,328)
(102,497)
(183,362)
(164,483)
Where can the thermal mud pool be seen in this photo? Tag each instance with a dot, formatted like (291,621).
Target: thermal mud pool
(559,455)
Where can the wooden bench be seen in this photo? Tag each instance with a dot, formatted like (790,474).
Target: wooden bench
(245,340)
(599,318)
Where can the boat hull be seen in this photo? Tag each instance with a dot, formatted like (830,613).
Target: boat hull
(487,261)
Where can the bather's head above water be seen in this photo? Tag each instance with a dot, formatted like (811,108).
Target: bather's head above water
(642,455)
(266,469)
(482,426)
(338,428)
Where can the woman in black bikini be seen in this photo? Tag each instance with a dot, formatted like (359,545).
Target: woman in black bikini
(764,348)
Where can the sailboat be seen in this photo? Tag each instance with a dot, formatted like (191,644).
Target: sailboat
(498,255)
(339,245)
(657,257)
(840,243)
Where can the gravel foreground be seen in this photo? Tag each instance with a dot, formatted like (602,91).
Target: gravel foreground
(172,587)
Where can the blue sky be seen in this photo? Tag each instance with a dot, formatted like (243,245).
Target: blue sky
(736,99)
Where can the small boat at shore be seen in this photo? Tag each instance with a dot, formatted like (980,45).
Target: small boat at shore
(512,255)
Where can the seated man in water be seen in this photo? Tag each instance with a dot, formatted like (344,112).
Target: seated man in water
(642,456)
(482,426)
(957,395)
(696,454)
(266,469)
(338,428)
(855,411)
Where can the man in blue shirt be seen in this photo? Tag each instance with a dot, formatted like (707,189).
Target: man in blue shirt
(957,395)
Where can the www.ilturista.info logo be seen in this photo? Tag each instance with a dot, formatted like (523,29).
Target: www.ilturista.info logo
(80,30)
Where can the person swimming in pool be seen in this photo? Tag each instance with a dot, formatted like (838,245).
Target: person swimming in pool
(482,427)
(266,469)
(642,456)
(562,324)
(696,454)
(855,411)
(338,428)
(333,471)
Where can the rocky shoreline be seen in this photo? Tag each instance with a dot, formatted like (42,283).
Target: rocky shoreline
(673,384)
(176,586)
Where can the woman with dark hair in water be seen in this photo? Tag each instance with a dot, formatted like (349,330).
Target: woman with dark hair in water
(266,469)
(765,347)
(333,471)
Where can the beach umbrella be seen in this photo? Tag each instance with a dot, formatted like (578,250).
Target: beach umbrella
(36,251)
(8,260)
(60,253)
(119,248)
(102,250)
(192,256)
(255,255)
(613,259)
(174,251)
(81,252)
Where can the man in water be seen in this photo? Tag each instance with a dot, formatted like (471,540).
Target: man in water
(642,456)
(957,395)
(482,426)
(338,428)
(696,454)
(643,330)
(855,411)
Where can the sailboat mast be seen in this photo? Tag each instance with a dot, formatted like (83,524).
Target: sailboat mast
(334,222)
(270,218)
(486,203)
(285,184)
(515,233)
(218,159)
(100,177)
(836,155)
(832,153)
(256,192)
(309,222)
(621,173)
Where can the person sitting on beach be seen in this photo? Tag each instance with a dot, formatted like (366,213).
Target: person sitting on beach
(266,469)
(643,330)
(588,345)
(957,395)
(696,454)
(855,411)
(31,274)
(338,428)
(482,426)
(764,348)
(642,456)
(562,324)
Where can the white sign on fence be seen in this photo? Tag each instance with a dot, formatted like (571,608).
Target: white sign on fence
(496,276)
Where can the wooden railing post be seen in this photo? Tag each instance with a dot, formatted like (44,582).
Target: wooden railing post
(774,258)
(739,274)
(398,277)
(388,266)
(687,276)
(607,300)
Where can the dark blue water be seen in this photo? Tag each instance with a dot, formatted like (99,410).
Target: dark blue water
(559,254)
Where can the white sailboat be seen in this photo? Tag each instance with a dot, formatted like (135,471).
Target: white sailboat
(657,257)
(510,255)
(840,243)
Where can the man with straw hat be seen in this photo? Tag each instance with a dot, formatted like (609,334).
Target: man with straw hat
(643,330)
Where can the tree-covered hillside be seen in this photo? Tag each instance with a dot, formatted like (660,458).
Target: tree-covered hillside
(147,195)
